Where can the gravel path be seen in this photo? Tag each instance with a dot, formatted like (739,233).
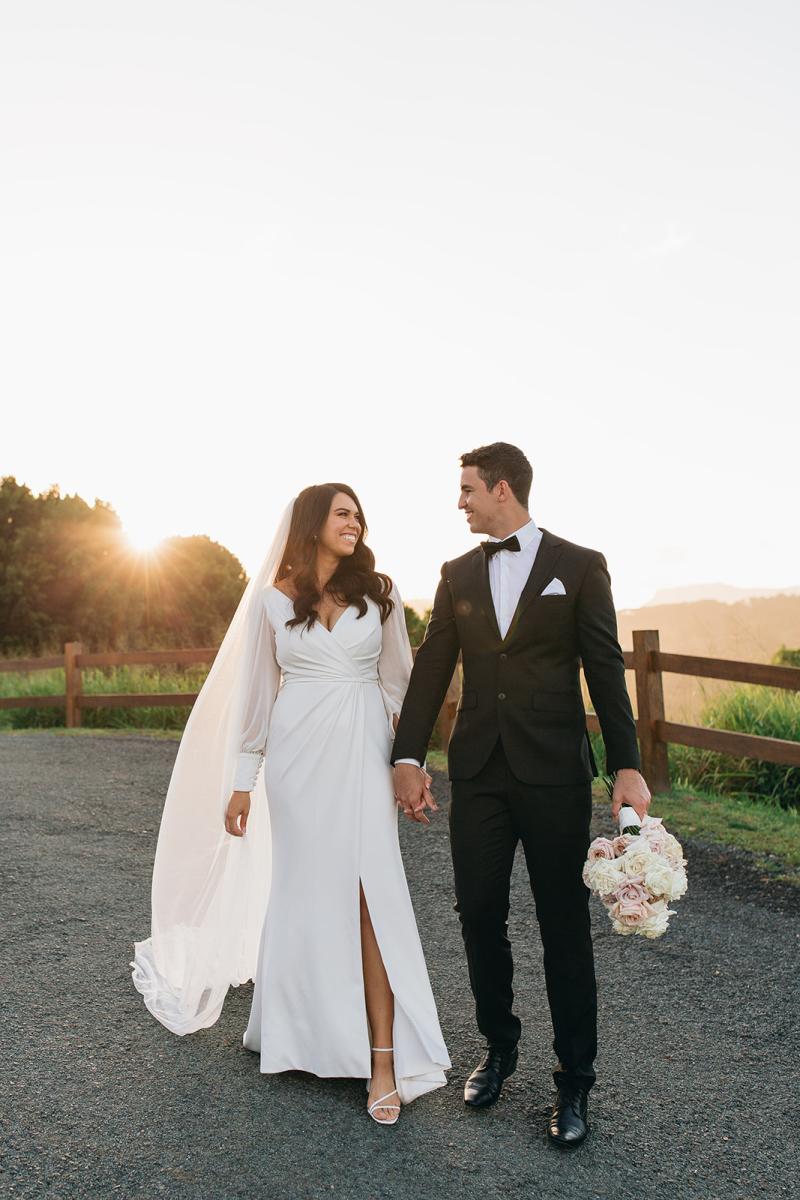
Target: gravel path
(697,1093)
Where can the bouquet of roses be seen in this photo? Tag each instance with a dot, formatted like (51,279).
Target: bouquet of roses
(637,874)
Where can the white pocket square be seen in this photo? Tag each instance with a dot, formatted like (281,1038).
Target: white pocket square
(554,588)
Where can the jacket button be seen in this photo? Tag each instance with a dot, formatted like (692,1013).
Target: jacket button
(501,696)
(503,657)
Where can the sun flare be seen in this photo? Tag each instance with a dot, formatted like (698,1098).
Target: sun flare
(142,541)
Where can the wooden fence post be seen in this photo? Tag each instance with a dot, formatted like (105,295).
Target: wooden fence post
(73,682)
(650,708)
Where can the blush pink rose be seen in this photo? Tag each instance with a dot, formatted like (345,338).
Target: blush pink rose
(630,906)
(601,848)
(621,843)
(654,833)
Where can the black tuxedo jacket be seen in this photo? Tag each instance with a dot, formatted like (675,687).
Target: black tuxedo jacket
(525,687)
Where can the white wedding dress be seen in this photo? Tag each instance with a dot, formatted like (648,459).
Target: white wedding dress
(318,713)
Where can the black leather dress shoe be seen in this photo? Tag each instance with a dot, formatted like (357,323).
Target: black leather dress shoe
(486,1082)
(568,1123)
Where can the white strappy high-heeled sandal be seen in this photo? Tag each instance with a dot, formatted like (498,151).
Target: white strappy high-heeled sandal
(380,1103)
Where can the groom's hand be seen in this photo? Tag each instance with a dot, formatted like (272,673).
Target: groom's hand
(412,792)
(630,789)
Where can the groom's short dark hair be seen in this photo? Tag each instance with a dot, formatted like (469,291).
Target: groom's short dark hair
(501,460)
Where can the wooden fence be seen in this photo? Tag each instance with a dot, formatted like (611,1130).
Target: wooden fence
(646,660)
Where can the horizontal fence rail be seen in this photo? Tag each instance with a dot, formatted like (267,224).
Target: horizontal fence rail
(737,745)
(720,668)
(31,664)
(647,661)
(130,658)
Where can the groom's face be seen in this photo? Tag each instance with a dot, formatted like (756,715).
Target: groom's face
(478,503)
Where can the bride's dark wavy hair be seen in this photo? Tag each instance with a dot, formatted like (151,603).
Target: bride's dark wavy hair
(354,579)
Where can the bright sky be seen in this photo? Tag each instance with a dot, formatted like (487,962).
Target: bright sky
(248,246)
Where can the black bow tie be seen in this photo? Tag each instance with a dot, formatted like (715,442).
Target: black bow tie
(490,548)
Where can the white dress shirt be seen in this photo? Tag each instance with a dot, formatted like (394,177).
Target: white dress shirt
(509,571)
(508,574)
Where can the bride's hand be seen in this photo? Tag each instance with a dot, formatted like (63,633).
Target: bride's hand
(236,814)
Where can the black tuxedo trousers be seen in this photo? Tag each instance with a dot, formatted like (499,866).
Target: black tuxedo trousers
(489,815)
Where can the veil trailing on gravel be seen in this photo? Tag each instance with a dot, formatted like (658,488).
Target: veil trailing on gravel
(210,890)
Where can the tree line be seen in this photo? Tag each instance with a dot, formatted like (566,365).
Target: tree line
(68,574)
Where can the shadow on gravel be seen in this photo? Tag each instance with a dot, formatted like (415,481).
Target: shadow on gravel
(696,1096)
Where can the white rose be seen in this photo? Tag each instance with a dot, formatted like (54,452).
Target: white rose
(636,858)
(603,875)
(659,878)
(620,927)
(673,850)
(679,884)
(656,923)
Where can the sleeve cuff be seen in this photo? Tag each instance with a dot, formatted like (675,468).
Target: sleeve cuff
(413,762)
(248,765)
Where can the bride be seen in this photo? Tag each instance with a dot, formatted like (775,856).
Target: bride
(298,882)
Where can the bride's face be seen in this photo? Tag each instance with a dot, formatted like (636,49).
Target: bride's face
(341,531)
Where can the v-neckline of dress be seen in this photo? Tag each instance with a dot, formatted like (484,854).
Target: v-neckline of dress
(319,621)
(336,622)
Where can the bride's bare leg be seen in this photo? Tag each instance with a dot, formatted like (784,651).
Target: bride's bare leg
(380,1012)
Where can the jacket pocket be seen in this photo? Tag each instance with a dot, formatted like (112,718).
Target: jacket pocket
(468,700)
(556,702)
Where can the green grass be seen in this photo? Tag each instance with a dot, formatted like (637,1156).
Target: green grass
(769,832)
(437,760)
(164,735)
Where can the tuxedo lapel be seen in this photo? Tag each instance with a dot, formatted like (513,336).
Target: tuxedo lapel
(480,573)
(542,572)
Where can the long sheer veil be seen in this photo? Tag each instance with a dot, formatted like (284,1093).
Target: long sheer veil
(210,890)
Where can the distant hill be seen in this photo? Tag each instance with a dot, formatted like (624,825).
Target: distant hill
(723,592)
(748,630)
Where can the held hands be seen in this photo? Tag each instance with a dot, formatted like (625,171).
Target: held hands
(630,789)
(236,814)
(412,791)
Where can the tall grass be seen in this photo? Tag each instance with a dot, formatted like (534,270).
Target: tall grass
(768,712)
(95,682)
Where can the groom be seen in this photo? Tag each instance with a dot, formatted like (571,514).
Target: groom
(525,609)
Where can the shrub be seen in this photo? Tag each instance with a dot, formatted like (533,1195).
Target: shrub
(415,624)
(767,712)
(786,657)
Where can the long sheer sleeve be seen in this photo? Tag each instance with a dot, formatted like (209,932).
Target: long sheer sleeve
(396,659)
(265,677)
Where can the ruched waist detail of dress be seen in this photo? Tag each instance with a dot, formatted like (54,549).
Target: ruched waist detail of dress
(318,679)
